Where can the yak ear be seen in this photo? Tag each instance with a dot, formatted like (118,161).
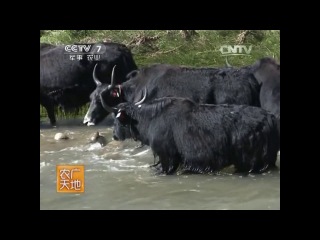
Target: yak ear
(115,92)
(132,74)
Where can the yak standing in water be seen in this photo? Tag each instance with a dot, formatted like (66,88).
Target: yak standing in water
(69,83)
(201,137)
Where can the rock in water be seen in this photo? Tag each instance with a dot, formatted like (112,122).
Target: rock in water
(60,136)
(96,137)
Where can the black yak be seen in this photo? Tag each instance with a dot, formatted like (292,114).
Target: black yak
(201,137)
(202,85)
(69,83)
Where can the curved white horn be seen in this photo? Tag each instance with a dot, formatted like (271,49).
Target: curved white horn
(96,80)
(144,97)
(106,107)
(112,76)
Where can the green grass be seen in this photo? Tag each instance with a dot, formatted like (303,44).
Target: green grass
(159,46)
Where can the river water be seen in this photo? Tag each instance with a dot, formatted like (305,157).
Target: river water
(118,176)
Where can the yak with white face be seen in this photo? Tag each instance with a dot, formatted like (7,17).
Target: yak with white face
(202,85)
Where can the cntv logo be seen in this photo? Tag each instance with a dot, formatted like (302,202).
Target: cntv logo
(229,50)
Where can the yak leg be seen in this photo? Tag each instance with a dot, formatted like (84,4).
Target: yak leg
(49,106)
(169,164)
(50,111)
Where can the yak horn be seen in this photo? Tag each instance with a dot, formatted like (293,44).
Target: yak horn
(144,97)
(112,76)
(106,107)
(96,80)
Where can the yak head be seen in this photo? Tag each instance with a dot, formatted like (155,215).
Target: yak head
(265,69)
(125,122)
(101,98)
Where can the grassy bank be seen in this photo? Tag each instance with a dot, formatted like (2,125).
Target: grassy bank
(175,47)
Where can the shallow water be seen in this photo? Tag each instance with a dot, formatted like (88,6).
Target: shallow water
(118,176)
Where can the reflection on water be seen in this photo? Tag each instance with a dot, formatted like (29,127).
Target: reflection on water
(118,176)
